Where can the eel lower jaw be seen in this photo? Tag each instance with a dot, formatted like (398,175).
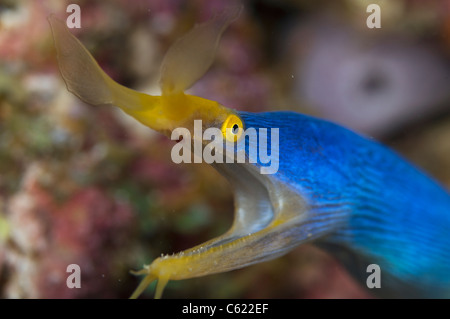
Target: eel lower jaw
(234,254)
(266,225)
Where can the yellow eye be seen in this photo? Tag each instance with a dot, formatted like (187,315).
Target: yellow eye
(232,128)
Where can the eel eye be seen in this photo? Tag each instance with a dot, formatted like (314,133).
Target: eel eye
(232,128)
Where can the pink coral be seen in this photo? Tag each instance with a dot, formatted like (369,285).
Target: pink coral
(89,229)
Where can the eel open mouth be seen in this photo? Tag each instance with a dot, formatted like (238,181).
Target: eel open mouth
(266,225)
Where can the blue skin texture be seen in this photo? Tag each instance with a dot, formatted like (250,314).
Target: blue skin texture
(373,206)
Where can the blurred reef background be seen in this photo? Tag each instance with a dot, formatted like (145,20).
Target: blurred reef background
(89,186)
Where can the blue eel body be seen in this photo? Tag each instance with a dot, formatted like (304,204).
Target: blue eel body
(370,205)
